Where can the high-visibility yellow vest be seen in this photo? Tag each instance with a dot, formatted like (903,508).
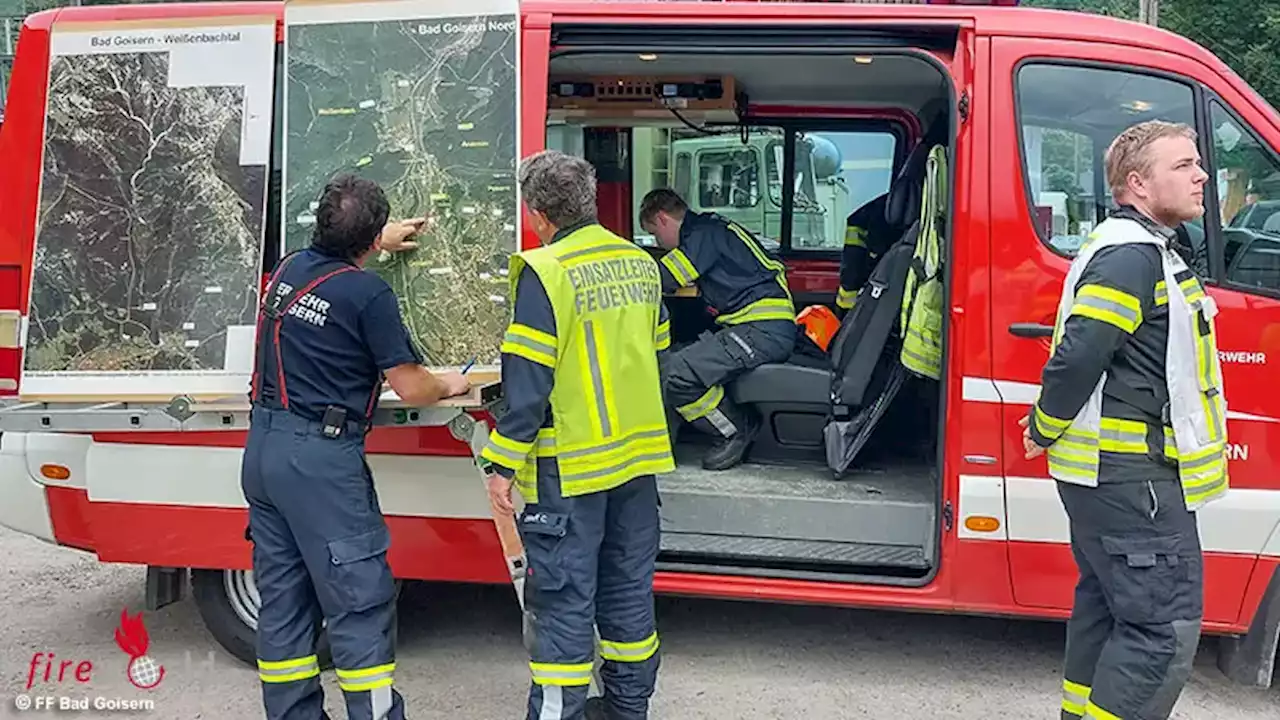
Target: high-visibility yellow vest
(1196,436)
(922,298)
(608,419)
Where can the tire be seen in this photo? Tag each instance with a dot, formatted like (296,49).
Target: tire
(228,604)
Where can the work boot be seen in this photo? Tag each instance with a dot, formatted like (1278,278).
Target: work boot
(729,451)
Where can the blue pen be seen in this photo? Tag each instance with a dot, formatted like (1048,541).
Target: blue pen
(467,367)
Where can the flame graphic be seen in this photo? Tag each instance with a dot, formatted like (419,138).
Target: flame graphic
(131,636)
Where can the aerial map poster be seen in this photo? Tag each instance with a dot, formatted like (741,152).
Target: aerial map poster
(421,97)
(152,202)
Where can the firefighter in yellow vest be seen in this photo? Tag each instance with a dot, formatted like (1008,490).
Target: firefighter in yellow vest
(1132,417)
(584,434)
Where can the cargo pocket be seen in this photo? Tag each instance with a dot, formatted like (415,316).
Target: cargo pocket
(742,354)
(359,576)
(543,535)
(546,556)
(1144,577)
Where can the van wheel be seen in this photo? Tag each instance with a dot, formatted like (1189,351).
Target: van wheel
(228,603)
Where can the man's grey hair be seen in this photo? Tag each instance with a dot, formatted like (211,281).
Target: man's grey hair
(560,186)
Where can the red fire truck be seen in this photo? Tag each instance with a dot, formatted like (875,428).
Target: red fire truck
(940,512)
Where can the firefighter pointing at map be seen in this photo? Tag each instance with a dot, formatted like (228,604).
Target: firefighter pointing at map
(582,439)
(319,537)
(1134,423)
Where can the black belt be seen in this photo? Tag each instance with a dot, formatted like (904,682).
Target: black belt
(333,426)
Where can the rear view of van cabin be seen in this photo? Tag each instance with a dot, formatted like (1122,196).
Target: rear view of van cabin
(980,130)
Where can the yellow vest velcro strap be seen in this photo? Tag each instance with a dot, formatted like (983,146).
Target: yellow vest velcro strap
(629,652)
(505,451)
(283,671)
(1108,305)
(561,674)
(845,298)
(531,344)
(677,263)
(1047,425)
(699,408)
(763,309)
(855,236)
(1093,712)
(662,339)
(368,678)
(1074,697)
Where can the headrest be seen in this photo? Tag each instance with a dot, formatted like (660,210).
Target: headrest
(904,195)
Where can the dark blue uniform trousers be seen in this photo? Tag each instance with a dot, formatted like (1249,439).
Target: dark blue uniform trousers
(319,551)
(591,560)
(1139,602)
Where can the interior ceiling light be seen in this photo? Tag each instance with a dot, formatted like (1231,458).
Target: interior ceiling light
(1137,106)
(862,59)
(648,57)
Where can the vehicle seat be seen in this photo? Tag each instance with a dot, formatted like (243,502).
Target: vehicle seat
(795,398)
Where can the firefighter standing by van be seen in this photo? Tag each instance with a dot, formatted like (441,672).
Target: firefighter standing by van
(1132,415)
(748,290)
(327,334)
(582,438)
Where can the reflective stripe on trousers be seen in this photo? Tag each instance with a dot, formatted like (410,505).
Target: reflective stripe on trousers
(591,563)
(1074,698)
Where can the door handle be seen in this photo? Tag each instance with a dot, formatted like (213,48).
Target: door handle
(1031,330)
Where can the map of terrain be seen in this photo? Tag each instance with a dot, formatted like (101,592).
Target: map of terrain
(150,223)
(426,107)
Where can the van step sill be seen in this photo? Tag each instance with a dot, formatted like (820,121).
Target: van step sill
(758,549)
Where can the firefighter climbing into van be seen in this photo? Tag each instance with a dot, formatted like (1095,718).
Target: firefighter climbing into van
(319,537)
(747,288)
(1132,418)
(583,438)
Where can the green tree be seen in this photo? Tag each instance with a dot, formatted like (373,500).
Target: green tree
(1245,34)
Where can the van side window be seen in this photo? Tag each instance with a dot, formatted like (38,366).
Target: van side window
(1248,189)
(1068,115)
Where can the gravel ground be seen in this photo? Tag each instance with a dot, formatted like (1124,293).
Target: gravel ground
(460,656)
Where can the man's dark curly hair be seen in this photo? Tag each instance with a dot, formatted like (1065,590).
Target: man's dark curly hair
(352,212)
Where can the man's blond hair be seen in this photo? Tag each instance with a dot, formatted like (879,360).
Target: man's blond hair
(1131,150)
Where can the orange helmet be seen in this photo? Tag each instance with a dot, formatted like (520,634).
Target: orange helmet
(820,324)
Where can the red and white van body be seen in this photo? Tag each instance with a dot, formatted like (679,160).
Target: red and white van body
(173,500)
